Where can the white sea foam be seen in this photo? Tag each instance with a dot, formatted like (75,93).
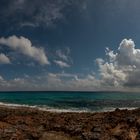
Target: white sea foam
(43,108)
(109,109)
(12,105)
(58,110)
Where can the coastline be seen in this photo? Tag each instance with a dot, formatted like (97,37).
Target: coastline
(31,123)
(61,110)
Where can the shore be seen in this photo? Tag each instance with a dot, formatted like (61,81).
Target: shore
(23,123)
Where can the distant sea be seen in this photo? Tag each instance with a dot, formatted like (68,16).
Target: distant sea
(71,101)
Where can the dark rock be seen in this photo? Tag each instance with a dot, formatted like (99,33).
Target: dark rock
(96,129)
(131,120)
(117,109)
(91,135)
(138,136)
(57,127)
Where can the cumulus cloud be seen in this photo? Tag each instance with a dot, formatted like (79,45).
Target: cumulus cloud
(24,46)
(61,64)
(121,68)
(4,59)
(110,74)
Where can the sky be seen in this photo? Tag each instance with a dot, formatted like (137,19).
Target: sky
(86,45)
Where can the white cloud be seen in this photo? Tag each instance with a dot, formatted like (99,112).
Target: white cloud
(63,58)
(1,78)
(61,55)
(61,64)
(64,55)
(119,71)
(24,46)
(67,81)
(128,54)
(28,24)
(123,67)
(111,75)
(4,59)
(66,75)
(51,81)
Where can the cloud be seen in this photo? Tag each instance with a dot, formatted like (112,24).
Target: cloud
(24,46)
(42,13)
(67,81)
(4,59)
(27,24)
(65,75)
(62,55)
(63,58)
(111,75)
(128,54)
(61,64)
(122,68)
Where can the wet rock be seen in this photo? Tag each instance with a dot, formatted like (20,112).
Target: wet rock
(117,109)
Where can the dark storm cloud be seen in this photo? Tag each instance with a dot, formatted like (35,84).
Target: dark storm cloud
(36,12)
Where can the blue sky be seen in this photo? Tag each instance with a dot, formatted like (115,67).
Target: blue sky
(61,44)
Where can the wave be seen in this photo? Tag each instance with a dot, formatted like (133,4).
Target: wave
(43,108)
(59,110)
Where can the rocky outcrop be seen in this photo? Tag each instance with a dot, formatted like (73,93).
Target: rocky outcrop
(33,124)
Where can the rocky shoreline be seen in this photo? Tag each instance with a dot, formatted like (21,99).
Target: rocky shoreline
(31,124)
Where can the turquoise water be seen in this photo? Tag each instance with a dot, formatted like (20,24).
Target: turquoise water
(72,101)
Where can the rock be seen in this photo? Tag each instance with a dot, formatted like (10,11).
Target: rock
(9,130)
(74,128)
(91,135)
(131,120)
(138,124)
(58,127)
(41,128)
(96,129)
(138,136)
(36,124)
(113,138)
(117,109)
(55,136)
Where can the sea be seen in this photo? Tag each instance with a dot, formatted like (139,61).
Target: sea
(64,101)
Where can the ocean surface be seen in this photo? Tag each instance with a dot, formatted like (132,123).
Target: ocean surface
(71,101)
